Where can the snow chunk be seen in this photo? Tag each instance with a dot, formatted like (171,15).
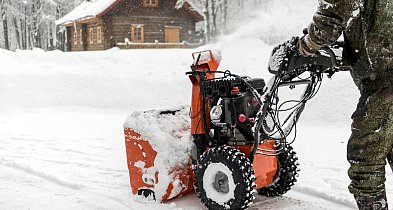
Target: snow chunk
(169,135)
(277,58)
(140,164)
(172,205)
(206,57)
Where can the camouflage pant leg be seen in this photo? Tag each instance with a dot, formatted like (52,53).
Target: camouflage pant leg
(370,143)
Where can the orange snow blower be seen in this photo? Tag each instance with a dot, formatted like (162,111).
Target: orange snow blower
(232,141)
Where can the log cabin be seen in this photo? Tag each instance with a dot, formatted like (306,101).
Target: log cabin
(131,24)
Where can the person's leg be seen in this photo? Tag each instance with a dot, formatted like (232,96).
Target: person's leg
(376,202)
(367,171)
(368,148)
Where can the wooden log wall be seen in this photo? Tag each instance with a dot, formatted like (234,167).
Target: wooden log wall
(116,25)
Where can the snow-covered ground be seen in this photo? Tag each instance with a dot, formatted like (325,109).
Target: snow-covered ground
(62,114)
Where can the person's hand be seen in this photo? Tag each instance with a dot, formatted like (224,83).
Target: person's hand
(307,47)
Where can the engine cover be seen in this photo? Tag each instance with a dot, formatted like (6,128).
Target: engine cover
(234,108)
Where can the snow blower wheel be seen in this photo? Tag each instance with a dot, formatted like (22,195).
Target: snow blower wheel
(286,174)
(224,179)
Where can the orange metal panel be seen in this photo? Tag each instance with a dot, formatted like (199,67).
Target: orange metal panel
(265,166)
(139,149)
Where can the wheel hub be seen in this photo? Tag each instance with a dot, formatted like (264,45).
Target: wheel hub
(218,183)
(221,182)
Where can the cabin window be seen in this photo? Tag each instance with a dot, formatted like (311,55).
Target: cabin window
(80,36)
(99,34)
(150,3)
(75,37)
(137,33)
(91,38)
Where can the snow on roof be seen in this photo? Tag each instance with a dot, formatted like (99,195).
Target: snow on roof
(86,10)
(190,8)
(93,8)
(179,4)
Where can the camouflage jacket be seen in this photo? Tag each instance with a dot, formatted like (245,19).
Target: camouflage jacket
(368,34)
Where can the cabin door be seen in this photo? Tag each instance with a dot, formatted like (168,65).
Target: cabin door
(172,34)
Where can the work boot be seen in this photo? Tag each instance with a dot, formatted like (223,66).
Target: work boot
(377,202)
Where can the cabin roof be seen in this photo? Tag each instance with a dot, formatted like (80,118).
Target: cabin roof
(96,8)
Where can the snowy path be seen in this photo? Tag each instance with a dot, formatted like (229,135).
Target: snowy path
(29,189)
(76,159)
(62,150)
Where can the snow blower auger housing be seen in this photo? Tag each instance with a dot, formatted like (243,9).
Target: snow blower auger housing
(234,132)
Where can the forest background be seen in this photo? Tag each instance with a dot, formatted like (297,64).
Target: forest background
(28,24)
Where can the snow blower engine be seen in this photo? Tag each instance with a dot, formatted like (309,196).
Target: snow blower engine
(240,130)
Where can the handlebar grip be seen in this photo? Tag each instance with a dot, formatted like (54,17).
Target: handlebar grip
(332,56)
(299,61)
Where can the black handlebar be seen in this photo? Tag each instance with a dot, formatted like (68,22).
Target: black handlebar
(324,62)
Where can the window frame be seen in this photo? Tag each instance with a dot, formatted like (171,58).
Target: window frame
(141,27)
(99,35)
(149,3)
(75,37)
(81,36)
(91,35)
